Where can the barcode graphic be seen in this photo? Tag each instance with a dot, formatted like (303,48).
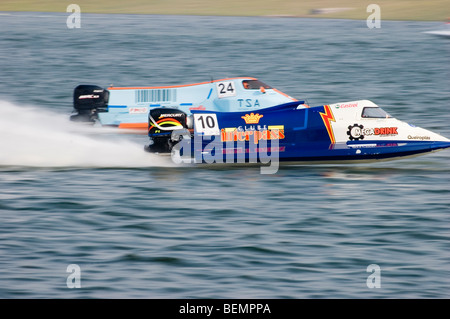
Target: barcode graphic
(155,95)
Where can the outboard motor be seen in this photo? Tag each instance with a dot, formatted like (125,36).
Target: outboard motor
(164,128)
(88,100)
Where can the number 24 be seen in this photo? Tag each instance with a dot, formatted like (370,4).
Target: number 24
(228,89)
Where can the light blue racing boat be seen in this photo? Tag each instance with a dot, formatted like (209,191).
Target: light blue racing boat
(129,107)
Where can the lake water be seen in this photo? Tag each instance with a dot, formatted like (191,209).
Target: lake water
(137,226)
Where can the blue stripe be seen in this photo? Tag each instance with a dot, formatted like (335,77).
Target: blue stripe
(117,106)
(181,104)
(153,105)
(209,95)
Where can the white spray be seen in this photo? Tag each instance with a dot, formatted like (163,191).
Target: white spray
(36,137)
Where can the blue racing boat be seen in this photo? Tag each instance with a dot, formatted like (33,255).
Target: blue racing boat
(355,131)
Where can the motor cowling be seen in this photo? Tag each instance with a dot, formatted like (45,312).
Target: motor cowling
(88,101)
(162,124)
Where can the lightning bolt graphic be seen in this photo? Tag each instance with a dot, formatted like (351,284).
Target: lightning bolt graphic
(327,117)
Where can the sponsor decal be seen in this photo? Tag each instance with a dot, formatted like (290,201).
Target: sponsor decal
(356,146)
(256,149)
(327,118)
(137,110)
(200,107)
(346,105)
(422,138)
(252,118)
(164,121)
(358,132)
(171,115)
(248,103)
(88,96)
(274,132)
(355,132)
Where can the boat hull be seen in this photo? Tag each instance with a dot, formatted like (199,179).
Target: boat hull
(294,132)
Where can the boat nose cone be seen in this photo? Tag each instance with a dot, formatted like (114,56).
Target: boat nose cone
(438,145)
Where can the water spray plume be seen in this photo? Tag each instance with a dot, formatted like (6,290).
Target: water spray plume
(36,137)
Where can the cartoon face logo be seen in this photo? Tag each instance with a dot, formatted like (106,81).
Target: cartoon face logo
(355,132)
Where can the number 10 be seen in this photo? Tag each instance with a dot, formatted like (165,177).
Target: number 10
(210,123)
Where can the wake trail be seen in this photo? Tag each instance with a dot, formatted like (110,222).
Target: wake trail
(36,137)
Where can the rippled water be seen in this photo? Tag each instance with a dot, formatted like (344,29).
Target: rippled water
(140,227)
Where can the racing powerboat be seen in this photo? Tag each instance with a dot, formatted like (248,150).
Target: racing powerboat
(355,131)
(128,107)
(443,32)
